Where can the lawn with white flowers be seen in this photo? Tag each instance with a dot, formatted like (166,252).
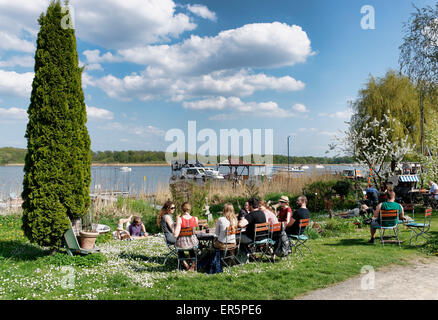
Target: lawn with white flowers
(134,269)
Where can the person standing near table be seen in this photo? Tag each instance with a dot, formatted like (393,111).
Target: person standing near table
(254,217)
(186,221)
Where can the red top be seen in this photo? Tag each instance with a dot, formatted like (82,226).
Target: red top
(282,214)
(189,223)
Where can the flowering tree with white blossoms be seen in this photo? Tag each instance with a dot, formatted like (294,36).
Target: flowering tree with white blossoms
(429,160)
(371,144)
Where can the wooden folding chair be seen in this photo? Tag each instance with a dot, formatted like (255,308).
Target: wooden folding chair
(388,221)
(274,230)
(261,241)
(298,240)
(409,207)
(421,229)
(187,232)
(230,252)
(173,252)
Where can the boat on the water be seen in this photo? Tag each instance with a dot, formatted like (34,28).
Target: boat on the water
(187,169)
(125,169)
(319,166)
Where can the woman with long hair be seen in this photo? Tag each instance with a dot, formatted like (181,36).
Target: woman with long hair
(227,220)
(189,242)
(165,221)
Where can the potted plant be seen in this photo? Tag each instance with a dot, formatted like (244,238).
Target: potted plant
(88,234)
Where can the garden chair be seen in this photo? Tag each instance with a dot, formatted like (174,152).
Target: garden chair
(261,241)
(388,221)
(421,229)
(230,252)
(409,207)
(72,245)
(187,232)
(274,230)
(173,252)
(300,239)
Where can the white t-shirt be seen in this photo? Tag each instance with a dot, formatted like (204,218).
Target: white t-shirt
(434,189)
(221,231)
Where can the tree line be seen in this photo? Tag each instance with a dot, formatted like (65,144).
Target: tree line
(16,155)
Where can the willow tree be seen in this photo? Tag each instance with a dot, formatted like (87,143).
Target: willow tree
(57,165)
(395,96)
(419,57)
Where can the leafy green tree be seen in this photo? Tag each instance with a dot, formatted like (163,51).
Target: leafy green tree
(419,57)
(57,164)
(393,95)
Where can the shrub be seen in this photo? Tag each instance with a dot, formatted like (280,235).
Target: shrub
(336,227)
(317,192)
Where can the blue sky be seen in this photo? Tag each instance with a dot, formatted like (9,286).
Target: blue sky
(291,66)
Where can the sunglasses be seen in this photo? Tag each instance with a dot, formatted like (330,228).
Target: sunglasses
(171,208)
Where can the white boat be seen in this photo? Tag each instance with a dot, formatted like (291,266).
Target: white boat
(305,167)
(125,169)
(319,166)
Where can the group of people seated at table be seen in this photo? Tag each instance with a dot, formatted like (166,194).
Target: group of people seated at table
(254,212)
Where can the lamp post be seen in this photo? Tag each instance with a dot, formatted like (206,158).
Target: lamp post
(288,162)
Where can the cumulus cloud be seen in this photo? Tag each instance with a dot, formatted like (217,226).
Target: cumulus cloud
(150,84)
(15,84)
(337,115)
(14,43)
(258,109)
(299,107)
(257,45)
(111,24)
(99,113)
(13,114)
(17,61)
(202,11)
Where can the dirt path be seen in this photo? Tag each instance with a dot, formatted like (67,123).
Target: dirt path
(418,281)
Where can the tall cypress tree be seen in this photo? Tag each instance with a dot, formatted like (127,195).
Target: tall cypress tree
(57,165)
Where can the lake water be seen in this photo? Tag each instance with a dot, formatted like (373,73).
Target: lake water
(139,180)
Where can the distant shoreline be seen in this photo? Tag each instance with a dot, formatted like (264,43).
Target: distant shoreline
(166,165)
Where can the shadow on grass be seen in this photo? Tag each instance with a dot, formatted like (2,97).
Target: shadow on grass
(20,251)
(171,263)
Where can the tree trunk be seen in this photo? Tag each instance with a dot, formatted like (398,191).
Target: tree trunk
(421,123)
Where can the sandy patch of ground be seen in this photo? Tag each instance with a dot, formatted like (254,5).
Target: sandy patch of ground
(417,281)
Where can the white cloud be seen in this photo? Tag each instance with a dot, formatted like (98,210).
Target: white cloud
(337,115)
(14,43)
(111,24)
(99,114)
(20,61)
(147,130)
(13,114)
(257,109)
(150,85)
(257,45)
(299,107)
(118,24)
(202,11)
(15,84)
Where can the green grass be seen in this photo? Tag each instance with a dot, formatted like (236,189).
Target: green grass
(134,270)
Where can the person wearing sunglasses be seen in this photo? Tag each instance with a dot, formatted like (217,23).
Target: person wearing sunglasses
(166,223)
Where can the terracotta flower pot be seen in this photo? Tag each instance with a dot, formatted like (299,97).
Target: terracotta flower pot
(88,239)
